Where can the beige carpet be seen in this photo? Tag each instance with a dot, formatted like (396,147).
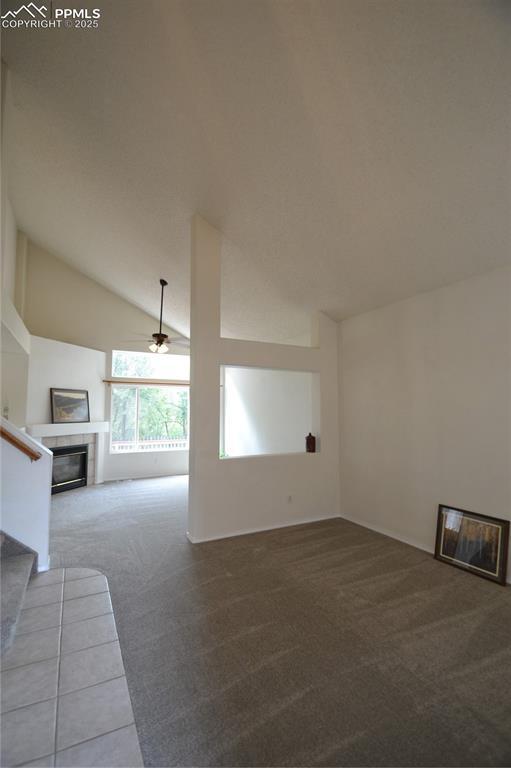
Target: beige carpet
(324,644)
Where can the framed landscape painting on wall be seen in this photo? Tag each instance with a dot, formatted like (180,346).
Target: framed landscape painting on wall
(69,406)
(475,542)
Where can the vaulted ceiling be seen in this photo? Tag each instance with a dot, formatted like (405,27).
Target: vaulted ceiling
(353,152)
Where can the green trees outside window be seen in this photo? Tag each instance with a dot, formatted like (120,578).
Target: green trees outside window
(146,417)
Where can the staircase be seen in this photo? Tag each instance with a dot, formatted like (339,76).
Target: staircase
(25,484)
(17,563)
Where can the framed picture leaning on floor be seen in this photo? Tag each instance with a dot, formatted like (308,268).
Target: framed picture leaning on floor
(474,542)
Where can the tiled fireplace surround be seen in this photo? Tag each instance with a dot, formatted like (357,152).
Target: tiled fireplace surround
(78,439)
(90,433)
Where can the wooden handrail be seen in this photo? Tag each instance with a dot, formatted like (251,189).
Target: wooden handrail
(20,445)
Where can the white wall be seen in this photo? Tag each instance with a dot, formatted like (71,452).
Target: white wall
(229,496)
(8,222)
(14,355)
(14,378)
(25,494)
(15,350)
(266,411)
(425,408)
(62,303)
(56,364)
(148,464)
(8,249)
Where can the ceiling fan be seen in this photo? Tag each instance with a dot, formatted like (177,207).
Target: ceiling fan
(159,344)
(160,341)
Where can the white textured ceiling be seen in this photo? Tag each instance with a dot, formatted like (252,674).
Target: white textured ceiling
(353,152)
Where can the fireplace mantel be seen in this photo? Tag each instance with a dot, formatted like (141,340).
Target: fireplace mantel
(80,428)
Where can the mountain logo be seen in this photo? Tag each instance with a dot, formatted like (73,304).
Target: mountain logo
(32,9)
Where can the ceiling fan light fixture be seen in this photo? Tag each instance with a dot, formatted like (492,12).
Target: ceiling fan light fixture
(159,345)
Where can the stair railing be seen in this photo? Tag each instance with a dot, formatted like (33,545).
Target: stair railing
(20,445)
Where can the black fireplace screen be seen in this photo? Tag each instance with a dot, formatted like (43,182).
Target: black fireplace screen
(69,467)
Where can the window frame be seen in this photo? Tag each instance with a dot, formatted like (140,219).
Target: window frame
(149,379)
(139,384)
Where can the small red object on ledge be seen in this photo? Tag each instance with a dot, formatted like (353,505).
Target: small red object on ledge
(310,443)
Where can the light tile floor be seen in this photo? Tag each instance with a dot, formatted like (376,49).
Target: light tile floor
(64,697)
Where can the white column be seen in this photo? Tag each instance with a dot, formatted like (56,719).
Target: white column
(242,495)
(204,367)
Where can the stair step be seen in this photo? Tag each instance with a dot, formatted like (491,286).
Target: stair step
(10,547)
(15,574)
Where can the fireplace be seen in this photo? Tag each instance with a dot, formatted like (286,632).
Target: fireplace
(69,467)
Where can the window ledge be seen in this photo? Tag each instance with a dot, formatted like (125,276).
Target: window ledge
(149,382)
(290,454)
(147,451)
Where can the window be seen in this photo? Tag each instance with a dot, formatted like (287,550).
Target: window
(147,417)
(147,365)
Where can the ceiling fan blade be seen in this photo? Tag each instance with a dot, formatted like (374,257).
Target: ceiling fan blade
(185,343)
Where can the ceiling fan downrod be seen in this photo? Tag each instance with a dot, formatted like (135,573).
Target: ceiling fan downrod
(159,344)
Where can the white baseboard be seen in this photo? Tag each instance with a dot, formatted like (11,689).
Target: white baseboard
(141,477)
(391,534)
(262,529)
